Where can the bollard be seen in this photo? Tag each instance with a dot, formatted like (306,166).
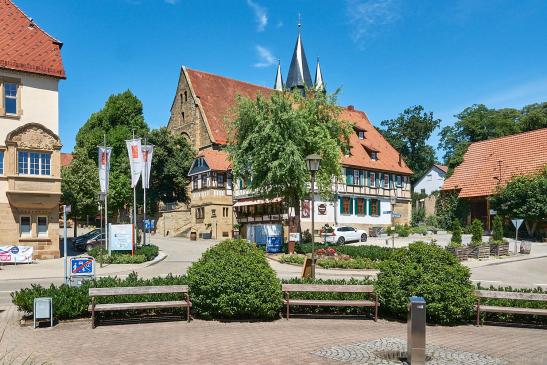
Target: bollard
(416,331)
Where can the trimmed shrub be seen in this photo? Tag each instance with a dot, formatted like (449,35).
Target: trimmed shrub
(233,280)
(292,259)
(497,231)
(431,272)
(142,254)
(476,232)
(358,263)
(402,230)
(456,240)
(375,253)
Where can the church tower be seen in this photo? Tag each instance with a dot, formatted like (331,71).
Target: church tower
(299,72)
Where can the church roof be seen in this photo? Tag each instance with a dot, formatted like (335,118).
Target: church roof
(299,72)
(278,84)
(26,47)
(318,84)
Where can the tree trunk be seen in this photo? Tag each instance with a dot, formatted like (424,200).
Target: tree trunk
(75,220)
(531,228)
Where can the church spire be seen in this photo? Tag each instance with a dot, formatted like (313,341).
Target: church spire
(278,85)
(299,73)
(318,84)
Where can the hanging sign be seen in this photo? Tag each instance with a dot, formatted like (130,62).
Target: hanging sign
(104,167)
(147,152)
(135,159)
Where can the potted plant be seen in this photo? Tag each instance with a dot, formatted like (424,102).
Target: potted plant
(498,246)
(477,248)
(455,246)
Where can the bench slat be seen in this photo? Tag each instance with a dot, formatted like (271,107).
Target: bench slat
(510,295)
(140,305)
(327,288)
(513,310)
(332,303)
(138,290)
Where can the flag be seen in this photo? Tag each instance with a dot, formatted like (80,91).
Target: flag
(104,167)
(135,159)
(147,152)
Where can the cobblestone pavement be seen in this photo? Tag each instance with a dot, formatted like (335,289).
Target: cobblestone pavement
(298,341)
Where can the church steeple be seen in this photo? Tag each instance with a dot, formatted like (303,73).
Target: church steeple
(299,72)
(278,85)
(318,84)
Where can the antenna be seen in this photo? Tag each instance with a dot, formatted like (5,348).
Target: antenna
(299,20)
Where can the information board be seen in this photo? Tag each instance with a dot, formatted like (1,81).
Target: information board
(121,237)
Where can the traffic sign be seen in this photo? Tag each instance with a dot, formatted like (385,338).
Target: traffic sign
(517,222)
(387,212)
(82,266)
(395,215)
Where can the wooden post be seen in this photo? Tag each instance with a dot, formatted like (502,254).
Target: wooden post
(478,311)
(93,313)
(376,308)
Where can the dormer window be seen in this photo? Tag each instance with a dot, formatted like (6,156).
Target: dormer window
(361,134)
(373,155)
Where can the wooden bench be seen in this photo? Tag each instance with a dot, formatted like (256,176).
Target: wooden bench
(290,288)
(492,294)
(138,290)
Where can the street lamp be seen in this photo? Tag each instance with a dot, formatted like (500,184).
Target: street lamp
(393,201)
(312,162)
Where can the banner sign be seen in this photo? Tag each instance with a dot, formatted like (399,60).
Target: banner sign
(16,254)
(104,167)
(121,237)
(134,151)
(147,152)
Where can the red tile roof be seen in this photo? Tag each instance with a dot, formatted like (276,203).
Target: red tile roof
(66,159)
(217,95)
(216,160)
(26,47)
(443,168)
(388,157)
(479,173)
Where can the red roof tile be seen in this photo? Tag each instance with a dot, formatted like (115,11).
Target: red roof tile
(26,47)
(66,159)
(388,157)
(217,95)
(443,168)
(216,160)
(479,173)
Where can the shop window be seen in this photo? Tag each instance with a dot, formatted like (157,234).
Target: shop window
(10,98)
(42,226)
(25,226)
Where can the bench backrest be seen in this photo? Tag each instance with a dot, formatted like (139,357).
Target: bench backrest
(327,288)
(510,295)
(129,290)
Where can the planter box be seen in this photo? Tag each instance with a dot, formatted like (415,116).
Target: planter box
(500,250)
(479,252)
(459,252)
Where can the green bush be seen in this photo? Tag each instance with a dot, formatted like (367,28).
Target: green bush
(402,230)
(431,272)
(476,232)
(432,221)
(497,231)
(291,259)
(456,240)
(417,217)
(421,229)
(142,254)
(72,302)
(233,280)
(306,236)
(375,253)
(358,263)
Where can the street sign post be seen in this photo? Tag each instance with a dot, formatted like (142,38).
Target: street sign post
(66,209)
(517,222)
(81,268)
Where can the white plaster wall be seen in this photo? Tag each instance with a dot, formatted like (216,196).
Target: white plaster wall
(430,183)
(39,102)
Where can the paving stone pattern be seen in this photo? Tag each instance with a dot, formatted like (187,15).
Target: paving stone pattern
(387,350)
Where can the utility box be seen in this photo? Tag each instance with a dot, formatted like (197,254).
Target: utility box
(43,309)
(416,331)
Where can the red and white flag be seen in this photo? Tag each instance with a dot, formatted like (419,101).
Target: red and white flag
(147,152)
(135,159)
(104,167)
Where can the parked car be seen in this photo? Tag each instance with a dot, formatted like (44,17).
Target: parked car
(342,235)
(81,242)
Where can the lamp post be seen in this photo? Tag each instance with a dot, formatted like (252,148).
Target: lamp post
(312,162)
(393,201)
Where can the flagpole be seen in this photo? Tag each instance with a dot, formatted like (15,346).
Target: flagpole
(134,211)
(107,243)
(144,183)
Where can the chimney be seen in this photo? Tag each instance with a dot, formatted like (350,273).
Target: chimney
(350,107)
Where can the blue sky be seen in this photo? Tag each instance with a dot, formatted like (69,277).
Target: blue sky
(385,55)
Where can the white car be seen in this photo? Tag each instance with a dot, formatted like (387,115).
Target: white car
(344,234)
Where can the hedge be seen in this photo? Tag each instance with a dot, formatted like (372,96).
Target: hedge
(142,254)
(375,253)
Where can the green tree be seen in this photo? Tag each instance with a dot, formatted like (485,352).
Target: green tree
(497,229)
(533,116)
(524,197)
(476,232)
(456,233)
(80,187)
(271,137)
(408,134)
(171,161)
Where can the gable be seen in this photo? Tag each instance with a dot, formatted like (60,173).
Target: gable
(33,136)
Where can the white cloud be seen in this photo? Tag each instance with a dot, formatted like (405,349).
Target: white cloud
(366,17)
(265,56)
(261,16)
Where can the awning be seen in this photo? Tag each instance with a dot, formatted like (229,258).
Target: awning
(245,203)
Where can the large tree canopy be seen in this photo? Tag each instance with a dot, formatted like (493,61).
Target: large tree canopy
(271,137)
(80,186)
(524,197)
(479,123)
(408,134)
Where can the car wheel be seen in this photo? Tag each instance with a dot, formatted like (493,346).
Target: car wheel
(364,237)
(341,241)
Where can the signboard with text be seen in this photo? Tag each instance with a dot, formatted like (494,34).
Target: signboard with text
(16,254)
(121,237)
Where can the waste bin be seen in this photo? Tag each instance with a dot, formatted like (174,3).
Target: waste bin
(416,331)
(193,236)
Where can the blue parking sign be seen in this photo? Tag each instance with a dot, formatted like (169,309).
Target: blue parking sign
(82,266)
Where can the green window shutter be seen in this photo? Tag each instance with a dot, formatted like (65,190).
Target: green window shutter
(356,205)
(341,202)
(350,205)
(369,206)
